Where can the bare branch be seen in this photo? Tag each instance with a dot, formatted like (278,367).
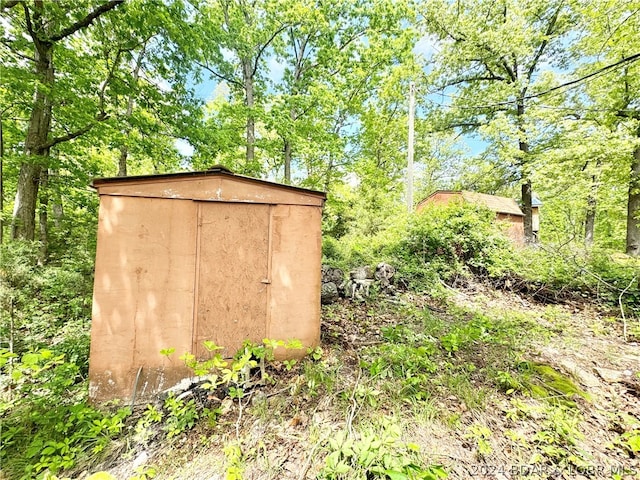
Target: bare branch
(86,21)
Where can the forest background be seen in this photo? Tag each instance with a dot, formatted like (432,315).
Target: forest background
(512,98)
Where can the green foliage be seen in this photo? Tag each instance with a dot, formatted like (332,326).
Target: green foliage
(377,453)
(46,424)
(181,415)
(235,465)
(444,241)
(235,374)
(541,381)
(411,365)
(595,273)
(49,305)
(557,439)
(481,434)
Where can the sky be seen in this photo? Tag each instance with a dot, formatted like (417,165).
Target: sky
(206,90)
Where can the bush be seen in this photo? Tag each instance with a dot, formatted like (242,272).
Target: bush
(46,424)
(572,270)
(451,240)
(38,303)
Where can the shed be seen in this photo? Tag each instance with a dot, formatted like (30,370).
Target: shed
(187,257)
(506,209)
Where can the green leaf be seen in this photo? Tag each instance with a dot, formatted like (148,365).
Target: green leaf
(30,359)
(395,475)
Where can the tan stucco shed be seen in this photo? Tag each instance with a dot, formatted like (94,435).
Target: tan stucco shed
(188,257)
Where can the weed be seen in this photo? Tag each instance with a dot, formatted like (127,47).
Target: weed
(320,377)
(181,416)
(46,425)
(235,462)
(376,453)
(411,366)
(481,434)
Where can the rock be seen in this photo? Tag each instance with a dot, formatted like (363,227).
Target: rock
(588,379)
(358,289)
(384,272)
(328,293)
(141,459)
(332,275)
(362,273)
(609,375)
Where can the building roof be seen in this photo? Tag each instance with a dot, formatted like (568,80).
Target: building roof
(535,201)
(217,171)
(492,202)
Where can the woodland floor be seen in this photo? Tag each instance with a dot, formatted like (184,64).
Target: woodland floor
(475,416)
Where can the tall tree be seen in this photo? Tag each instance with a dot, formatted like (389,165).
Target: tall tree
(612,45)
(491,56)
(47,25)
(237,40)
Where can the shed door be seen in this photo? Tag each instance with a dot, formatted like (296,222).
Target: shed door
(232,275)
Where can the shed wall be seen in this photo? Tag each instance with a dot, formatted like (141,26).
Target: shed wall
(143,294)
(173,272)
(440,198)
(515,227)
(294,304)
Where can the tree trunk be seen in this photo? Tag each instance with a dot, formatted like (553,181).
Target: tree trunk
(122,161)
(523,146)
(57,209)
(287,162)
(43,216)
(590,214)
(590,220)
(24,212)
(527,210)
(247,73)
(1,181)
(124,149)
(633,206)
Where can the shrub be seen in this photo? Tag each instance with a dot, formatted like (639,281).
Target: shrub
(451,239)
(46,424)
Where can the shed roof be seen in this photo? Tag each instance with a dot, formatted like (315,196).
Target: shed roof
(214,171)
(492,202)
(215,184)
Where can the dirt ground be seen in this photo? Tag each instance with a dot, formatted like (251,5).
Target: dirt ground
(283,429)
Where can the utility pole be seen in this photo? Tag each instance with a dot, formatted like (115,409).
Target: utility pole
(412,101)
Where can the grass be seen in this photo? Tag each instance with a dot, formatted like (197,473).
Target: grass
(413,388)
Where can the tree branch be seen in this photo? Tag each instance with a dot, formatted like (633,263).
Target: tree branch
(7,44)
(544,43)
(70,136)
(264,46)
(9,4)
(86,21)
(27,17)
(218,75)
